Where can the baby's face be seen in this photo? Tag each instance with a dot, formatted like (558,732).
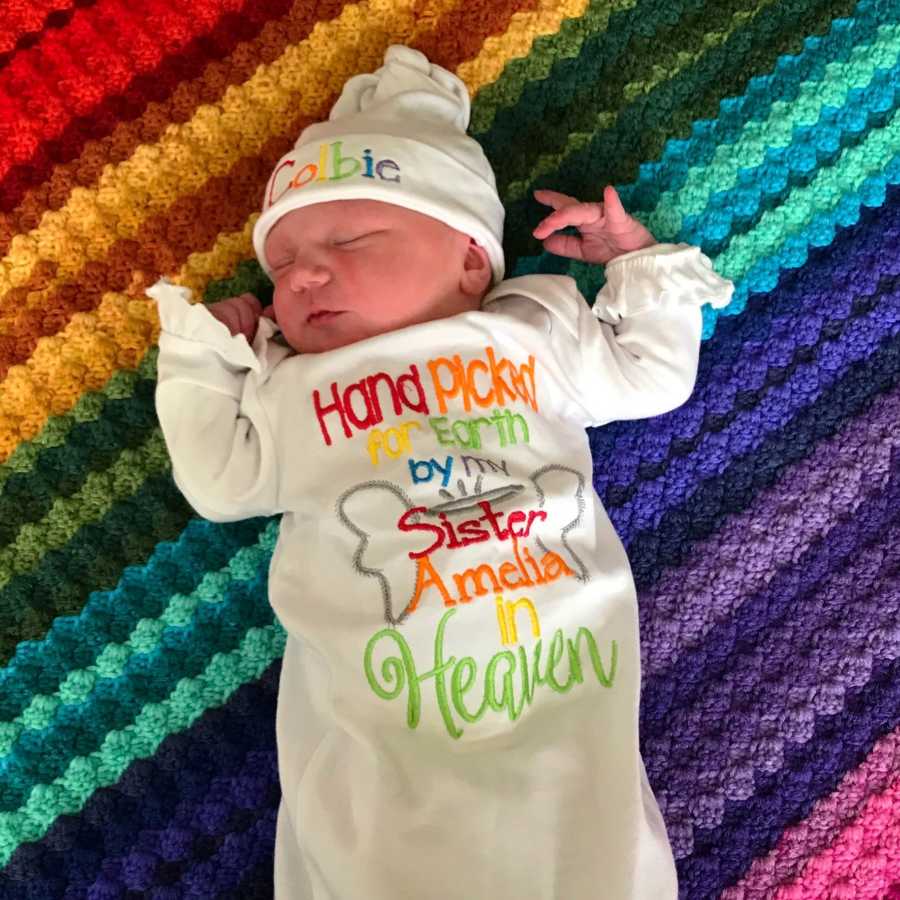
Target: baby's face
(346,270)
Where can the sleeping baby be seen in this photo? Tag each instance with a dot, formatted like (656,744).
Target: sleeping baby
(458,702)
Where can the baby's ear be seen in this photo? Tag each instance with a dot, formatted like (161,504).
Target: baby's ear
(476,274)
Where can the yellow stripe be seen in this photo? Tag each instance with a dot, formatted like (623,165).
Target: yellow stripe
(517,42)
(300,82)
(118,333)
(219,261)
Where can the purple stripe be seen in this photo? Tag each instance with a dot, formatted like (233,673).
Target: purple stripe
(802,508)
(142,870)
(753,689)
(238,854)
(715,451)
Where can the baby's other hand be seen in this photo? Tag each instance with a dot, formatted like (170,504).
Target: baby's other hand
(241,314)
(606,230)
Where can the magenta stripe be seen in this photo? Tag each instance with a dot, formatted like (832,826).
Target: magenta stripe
(829,816)
(800,668)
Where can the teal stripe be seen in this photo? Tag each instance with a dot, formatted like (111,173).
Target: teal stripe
(862,83)
(140,739)
(138,672)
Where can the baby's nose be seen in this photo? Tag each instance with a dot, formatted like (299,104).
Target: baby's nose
(304,276)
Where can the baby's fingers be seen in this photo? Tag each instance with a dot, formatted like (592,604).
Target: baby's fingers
(615,212)
(248,321)
(227,316)
(578,214)
(553,198)
(565,245)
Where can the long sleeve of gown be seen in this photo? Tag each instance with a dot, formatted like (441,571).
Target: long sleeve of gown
(216,427)
(644,329)
(635,353)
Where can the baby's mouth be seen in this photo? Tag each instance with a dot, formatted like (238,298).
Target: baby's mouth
(323,315)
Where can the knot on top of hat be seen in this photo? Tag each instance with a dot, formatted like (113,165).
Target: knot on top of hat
(407,87)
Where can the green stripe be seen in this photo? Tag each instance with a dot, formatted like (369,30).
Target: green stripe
(90,503)
(88,408)
(94,560)
(606,119)
(644,127)
(613,69)
(191,697)
(546,53)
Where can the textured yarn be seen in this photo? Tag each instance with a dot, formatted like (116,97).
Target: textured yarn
(139,654)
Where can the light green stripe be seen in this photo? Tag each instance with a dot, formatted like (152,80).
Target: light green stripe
(606,119)
(90,503)
(546,51)
(721,173)
(88,409)
(144,638)
(825,191)
(191,697)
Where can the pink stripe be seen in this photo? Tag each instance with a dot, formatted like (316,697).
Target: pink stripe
(862,863)
(799,844)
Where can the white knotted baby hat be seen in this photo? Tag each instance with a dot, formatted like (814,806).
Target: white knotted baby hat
(397,135)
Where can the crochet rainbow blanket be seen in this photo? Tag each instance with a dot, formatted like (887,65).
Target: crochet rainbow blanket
(762,518)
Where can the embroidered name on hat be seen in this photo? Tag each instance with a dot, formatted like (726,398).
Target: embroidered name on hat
(341,167)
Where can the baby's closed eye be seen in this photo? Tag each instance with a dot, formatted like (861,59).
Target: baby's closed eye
(347,239)
(343,241)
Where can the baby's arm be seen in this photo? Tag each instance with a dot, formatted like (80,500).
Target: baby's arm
(640,347)
(208,402)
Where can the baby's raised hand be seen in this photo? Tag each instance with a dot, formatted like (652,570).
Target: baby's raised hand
(241,314)
(606,230)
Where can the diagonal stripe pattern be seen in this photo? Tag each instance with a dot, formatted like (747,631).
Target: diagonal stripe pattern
(139,656)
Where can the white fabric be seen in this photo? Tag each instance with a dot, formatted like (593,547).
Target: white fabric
(398,135)
(389,790)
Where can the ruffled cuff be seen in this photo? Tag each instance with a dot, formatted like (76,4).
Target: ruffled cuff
(664,275)
(179,316)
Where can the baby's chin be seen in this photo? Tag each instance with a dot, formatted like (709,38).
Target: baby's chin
(320,339)
(324,340)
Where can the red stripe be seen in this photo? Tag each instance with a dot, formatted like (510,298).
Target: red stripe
(27,18)
(72,70)
(126,105)
(25,35)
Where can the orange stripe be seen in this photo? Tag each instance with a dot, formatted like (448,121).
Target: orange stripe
(166,240)
(115,335)
(147,128)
